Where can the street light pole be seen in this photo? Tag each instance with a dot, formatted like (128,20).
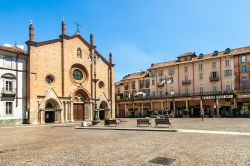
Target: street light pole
(95,80)
(166,93)
(93,58)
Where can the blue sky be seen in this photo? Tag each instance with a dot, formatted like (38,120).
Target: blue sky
(138,32)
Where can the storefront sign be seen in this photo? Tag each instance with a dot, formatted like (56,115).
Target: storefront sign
(216,97)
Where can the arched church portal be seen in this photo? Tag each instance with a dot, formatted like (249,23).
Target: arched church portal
(52,111)
(103,110)
(81,105)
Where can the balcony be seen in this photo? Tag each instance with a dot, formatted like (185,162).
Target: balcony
(8,92)
(212,79)
(176,95)
(186,82)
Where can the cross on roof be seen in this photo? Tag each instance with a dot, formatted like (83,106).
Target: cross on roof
(77,27)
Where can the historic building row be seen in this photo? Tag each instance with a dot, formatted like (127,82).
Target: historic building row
(65,79)
(216,83)
(12,84)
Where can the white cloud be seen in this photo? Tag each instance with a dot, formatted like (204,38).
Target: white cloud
(9,45)
(21,46)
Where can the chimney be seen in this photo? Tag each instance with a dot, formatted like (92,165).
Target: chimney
(91,39)
(31,32)
(63,27)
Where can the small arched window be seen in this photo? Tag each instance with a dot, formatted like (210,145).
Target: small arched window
(79,53)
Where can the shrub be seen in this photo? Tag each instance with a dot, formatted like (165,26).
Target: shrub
(186,111)
(236,111)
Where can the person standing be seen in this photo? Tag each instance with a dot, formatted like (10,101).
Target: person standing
(202,114)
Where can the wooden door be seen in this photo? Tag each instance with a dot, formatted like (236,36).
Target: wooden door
(78,112)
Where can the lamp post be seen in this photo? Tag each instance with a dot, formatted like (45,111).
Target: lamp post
(167,81)
(92,59)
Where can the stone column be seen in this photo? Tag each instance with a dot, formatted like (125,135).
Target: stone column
(217,107)
(117,110)
(125,106)
(186,104)
(142,110)
(91,111)
(42,116)
(61,115)
(235,103)
(71,112)
(64,111)
(201,104)
(174,107)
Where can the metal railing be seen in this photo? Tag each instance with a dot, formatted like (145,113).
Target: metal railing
(186,82)
(214,78)
(149,97)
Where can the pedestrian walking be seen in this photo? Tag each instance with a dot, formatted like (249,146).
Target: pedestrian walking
(202,114)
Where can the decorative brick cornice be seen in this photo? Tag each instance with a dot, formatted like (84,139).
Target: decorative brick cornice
(38,44)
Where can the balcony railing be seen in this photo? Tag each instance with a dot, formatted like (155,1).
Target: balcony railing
(186,82)
(212,79)
(9,92)
(178,95)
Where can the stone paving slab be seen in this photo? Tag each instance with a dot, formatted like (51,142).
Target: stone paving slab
(63,146)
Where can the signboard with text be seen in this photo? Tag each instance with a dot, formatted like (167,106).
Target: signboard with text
(212,97)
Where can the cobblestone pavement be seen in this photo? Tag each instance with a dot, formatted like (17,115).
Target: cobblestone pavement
(64,145)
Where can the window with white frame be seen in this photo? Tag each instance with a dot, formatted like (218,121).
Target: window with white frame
(228,87)
(227,62)
(171,71)
(201,76)
(8,108)
(213,65)
(153,82)
(152,74)
(160,73)
(201,89)
(185,69)
(8,86)
(200,67)
(214,88)
(227,73)
(243,59)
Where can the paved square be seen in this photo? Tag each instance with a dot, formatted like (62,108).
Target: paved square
(64,145)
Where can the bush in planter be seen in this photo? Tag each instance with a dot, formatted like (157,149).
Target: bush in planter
(236,111)
(185,111)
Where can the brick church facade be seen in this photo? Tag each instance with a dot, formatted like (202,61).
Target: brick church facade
(60,80)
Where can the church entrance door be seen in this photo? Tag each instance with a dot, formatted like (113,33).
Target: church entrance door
(78,112)
(49,116)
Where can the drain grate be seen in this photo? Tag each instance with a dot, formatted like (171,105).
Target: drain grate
(162,160)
